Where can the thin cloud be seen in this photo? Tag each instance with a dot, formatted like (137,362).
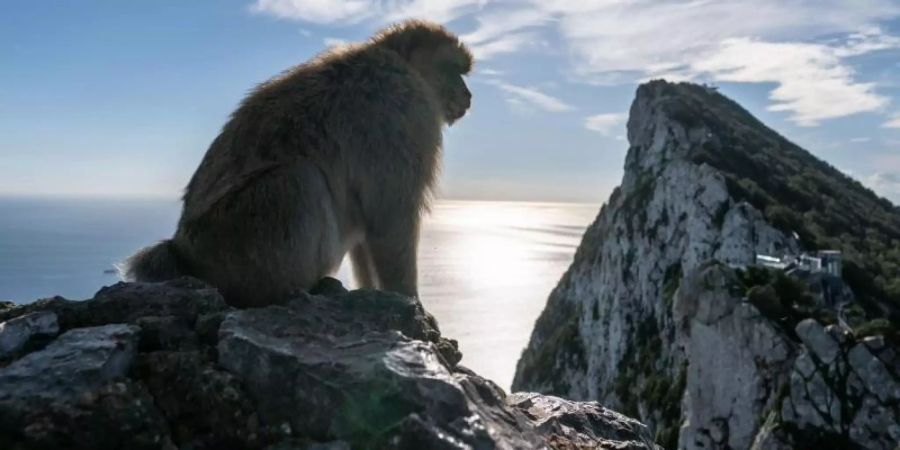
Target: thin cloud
(334,42)
(520,96)
(317,11)
(488,71)
(886,184)
(803,47)
(502,31)
(437,10)
(606,124)
(735,41)
(892,122)
(813,84)
(860,140)
(506,44)
(353,11)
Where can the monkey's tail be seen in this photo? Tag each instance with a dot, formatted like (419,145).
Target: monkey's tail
(158,262)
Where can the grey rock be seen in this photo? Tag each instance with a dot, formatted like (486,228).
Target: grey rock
(821,343)
(169,365)
(805,366)
(79,360)
(74,393)
(771,437)
(875,425)
(382,388)
(840,334)
(736,356)
(187,298)
(207,407)
(17,332)
(875,376)
(849,402)
(581,424)
(167,333)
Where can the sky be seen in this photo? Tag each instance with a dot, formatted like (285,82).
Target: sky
(113,98)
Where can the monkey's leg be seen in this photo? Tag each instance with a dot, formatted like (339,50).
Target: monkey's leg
(363,269)
(394,256)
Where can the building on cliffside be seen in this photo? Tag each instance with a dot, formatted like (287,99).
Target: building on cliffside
(825,261)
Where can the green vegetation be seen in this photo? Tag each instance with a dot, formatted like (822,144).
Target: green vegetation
(628,264)
(638,361)
(671,282)
(635,203)
(798,193)
(817,438)
(781,298)
(878,327)
(658,392)
(786,301)
(721,211)
(563,346)
(766,300)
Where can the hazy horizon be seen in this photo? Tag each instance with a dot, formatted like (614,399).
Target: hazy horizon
(177,199)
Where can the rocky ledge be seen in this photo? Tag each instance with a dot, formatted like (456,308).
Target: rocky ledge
(170,365)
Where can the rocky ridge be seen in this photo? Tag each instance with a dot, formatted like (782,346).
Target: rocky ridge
(654,316)
(170,365)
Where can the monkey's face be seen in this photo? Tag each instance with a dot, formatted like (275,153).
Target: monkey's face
(444,70)
(455,97)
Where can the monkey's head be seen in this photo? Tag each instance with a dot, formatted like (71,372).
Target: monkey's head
(440,58)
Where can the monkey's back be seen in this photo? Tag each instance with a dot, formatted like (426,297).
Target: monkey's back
(274,201)
(331,112)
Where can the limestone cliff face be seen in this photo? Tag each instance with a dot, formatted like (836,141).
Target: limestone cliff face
(752,384)
(638,322)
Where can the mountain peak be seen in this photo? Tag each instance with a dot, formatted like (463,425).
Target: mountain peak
(696,116)
(796,192)
(664,292)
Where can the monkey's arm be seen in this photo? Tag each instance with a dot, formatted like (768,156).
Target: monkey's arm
(393,253)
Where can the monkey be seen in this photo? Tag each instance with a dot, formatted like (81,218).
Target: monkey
(338,155)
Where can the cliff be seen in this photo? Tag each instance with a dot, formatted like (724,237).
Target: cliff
(170,365)
(663,315)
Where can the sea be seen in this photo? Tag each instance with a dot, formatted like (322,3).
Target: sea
(485,267)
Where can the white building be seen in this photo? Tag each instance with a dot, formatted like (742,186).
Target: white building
(825,261)
(771,262)
(832,262)
(809,263)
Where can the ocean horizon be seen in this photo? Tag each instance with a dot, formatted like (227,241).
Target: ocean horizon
(485,267)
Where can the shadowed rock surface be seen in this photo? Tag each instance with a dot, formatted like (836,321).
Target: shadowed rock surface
(170,365)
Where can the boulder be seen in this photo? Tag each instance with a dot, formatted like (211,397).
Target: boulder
(16,333)
(170,365)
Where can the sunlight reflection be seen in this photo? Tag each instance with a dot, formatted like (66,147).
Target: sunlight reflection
(486,268)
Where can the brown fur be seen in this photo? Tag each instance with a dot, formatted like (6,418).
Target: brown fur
(333,156)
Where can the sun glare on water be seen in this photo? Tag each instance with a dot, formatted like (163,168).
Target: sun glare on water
(486,268)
